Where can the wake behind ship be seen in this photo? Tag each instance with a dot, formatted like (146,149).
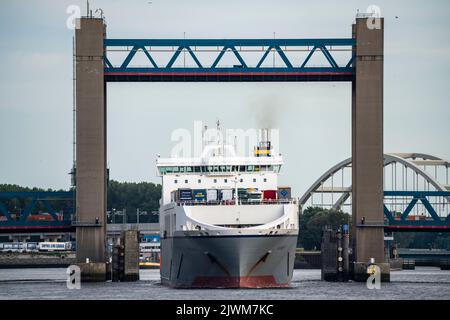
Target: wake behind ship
(224,221)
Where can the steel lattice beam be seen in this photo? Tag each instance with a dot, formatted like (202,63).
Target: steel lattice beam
(245,71)
(34,197)
(436,223)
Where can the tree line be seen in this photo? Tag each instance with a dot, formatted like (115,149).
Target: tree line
(126,199)
(314,219)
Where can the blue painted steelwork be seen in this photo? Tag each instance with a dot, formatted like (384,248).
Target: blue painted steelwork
(34,198)
(435,223)
(290,71)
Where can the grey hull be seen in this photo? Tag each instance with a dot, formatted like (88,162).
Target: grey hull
(228,261)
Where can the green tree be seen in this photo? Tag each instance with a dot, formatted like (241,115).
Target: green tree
(313,220)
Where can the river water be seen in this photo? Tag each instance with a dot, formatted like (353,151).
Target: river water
(422,283)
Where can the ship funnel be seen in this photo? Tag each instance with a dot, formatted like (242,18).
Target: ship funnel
(263,149)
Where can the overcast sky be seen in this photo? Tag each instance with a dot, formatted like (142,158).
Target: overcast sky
(313,118)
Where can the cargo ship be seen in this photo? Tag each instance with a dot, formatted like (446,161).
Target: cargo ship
(225,222)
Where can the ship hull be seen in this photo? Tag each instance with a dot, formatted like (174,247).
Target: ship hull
(240,261)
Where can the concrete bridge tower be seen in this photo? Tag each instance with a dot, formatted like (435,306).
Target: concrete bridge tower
(367,146)
(91,175)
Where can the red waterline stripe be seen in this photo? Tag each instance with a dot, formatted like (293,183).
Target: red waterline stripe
(238,282)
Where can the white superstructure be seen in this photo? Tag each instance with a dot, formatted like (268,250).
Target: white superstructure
(218,172)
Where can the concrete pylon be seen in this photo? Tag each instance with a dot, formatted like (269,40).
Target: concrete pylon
(367,147)
(91,175)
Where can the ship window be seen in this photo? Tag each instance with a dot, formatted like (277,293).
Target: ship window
(257,168)
(196,169)
(254,180)
(182,169)
(174,169)
(175,181)
(265,179)
(242,180)
(199,181)
(225,180)
(234,168)
(250,168)
(165,170)
(210,168)
(242,168)
(228,168)
(186,181)
(215,180)
(223,168)
(188,169)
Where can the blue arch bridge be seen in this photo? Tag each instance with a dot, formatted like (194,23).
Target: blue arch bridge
(416,198)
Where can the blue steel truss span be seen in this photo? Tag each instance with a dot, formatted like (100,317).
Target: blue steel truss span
(290,70)
(431,207)
(10,223)
(436,223)
(393,223)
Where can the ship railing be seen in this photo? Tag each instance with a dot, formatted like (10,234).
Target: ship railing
(233,202)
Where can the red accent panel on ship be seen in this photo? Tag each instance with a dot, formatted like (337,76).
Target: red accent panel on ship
(270,194)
